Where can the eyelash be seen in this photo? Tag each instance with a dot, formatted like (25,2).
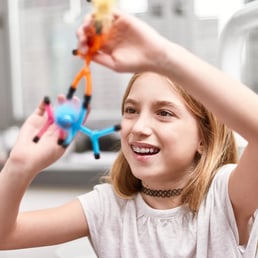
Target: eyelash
(165,113)
(162,113)
(129,110)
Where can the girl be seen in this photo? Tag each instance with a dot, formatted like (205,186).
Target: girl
(173,190)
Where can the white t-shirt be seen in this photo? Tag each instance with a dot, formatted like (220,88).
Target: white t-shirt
(132,229)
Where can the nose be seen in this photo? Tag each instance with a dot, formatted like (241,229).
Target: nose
(142,126)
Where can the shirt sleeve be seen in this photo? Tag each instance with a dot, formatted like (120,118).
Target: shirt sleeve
(221,195)
(92,207)
(221,182)
(101,208)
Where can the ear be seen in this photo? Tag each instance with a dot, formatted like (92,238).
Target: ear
(200,148)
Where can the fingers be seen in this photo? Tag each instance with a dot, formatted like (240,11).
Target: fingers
(105,59)
(40,110)
(116,14)
(82,41)
(83,32)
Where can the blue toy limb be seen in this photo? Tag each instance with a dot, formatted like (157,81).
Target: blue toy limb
(87,131)
(94,136)
(107,131)
(83,115)
(95,139)
(70,136)
(95,146)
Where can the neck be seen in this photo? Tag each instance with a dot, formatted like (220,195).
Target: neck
(168,193)
(162,198)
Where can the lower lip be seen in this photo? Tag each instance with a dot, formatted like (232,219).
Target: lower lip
(142,158)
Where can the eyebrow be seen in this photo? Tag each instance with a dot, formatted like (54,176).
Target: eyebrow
(128,100)
(157,103)
(166,103)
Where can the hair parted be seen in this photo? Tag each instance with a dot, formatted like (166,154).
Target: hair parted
(219,148)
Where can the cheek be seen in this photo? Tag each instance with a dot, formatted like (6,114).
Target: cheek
(125,127)
(124,142)
(184,137)
(125,130)
(190,130)
(191,140)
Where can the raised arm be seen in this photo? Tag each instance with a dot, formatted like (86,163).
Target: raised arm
(26,160)
(234,104)
(133,46)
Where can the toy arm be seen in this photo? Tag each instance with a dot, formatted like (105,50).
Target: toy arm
(94,136)
(49,121)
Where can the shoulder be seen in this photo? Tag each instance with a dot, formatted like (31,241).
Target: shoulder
(222,176)
(217,202)
(99,192)
(102,199)
(218,190)
(217,196)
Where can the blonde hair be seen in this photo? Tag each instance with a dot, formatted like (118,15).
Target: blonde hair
(219,148)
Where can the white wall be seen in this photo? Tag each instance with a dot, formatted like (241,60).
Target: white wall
(5,86)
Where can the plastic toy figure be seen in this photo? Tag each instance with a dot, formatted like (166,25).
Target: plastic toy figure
(70,121)
(96,37)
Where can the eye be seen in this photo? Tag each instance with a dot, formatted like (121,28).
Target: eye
(166,113)
(129,110)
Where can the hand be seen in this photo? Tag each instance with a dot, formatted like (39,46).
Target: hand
(131,46)
(34,157)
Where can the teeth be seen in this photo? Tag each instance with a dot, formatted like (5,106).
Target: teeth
(144,150)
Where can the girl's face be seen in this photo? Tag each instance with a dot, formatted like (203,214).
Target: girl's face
(159,135)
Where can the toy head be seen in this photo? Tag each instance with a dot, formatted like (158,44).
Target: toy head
(102,14)
(66,115)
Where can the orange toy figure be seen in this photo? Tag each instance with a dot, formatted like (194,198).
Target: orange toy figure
(96,36)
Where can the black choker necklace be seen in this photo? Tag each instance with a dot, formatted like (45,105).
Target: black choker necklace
(161,193)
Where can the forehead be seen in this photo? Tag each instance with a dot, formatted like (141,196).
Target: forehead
(151,86)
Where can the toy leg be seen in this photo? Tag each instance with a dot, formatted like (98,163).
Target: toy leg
(75,83)
(61,138)
(69,138)
(95,146)
(84,113)
(88,88)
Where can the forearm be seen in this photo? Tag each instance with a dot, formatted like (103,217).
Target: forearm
(135,47)
(232,102)
(13,184)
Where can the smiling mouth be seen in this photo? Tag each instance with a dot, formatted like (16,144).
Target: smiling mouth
(145,150)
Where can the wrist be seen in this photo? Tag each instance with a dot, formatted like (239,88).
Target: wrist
(18,170)
(166,62)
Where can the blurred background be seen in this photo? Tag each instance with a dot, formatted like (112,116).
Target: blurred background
(36,42)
